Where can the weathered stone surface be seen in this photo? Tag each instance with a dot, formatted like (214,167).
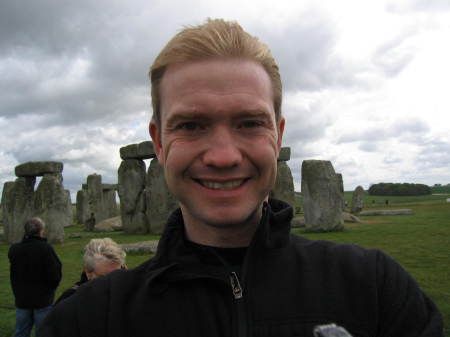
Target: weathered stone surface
(50,204)
(131,181)
(109,203)
(69,207)
(95,196)
(78,236)
(109,225)
(298,222)
(341,188)
(387,212)
(322,198)
(160,202)
(143,150)
(350,217)
(284,185)
(110,187)
(38,168)
(89,224)
(145,247)
(7,195)
(83,212)
(19,207)
(357,200)
(285,154)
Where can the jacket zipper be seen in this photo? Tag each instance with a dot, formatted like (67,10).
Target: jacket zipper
(238,294)
(236,286)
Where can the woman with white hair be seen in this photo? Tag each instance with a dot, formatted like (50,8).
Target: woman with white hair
(101,257)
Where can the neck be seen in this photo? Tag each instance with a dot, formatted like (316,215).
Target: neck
(226,236)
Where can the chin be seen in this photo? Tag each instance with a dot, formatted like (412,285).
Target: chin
(228,218)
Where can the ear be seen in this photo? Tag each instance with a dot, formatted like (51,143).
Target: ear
(155,133)
(281,124)
(89,275)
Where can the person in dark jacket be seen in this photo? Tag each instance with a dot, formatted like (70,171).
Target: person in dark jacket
(226,264)
(101,257)
(35,273)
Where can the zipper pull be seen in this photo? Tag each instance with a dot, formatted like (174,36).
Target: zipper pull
(236,286)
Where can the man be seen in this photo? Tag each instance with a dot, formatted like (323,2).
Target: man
(35,274)
(101,257)
(226,264)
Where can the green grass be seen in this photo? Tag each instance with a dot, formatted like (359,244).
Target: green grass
(70,253)
(419,242)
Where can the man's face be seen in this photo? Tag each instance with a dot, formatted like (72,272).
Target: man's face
(218,141)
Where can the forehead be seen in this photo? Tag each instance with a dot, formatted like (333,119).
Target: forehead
(214,81)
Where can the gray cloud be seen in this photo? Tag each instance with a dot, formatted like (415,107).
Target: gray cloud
(74,83)
(304,51)
(406,130)
(368,146)
(434,154)
(393,56)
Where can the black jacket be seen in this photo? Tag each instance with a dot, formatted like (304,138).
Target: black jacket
(35,272)
(73,289)
(287,285)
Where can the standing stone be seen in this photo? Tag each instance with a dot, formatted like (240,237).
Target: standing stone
(19,207)
(7,207)
(50,204)
(285,154)
(284,185)
(131,181)
(83,212)
(341,188)
(357,200)
(322,198)
(69,207)
(95,196)
(109,200)
(160,202)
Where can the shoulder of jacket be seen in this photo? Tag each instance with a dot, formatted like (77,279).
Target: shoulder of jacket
(333,250)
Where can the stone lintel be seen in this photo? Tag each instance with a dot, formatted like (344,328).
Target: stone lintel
(285,154)
(38,168)
(143,150)
(109,187)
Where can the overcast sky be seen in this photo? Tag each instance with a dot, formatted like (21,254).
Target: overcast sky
(366,83)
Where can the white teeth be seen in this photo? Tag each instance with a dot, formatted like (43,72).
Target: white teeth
(222,186)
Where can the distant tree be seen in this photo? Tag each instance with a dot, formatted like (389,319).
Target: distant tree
(399,189)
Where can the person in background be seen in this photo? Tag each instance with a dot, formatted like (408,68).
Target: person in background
(101,257)
(35,272)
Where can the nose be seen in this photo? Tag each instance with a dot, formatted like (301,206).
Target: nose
(222,149)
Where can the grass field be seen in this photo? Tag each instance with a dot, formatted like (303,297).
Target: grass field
(420,243)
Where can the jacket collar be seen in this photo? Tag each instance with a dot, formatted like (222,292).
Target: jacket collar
(272,233)
(31,238)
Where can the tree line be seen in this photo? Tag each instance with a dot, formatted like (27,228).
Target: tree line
(399,189)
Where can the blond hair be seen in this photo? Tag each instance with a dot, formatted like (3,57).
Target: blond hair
(102,249)
(215,38)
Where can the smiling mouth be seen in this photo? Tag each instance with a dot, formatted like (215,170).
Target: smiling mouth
(221,186)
